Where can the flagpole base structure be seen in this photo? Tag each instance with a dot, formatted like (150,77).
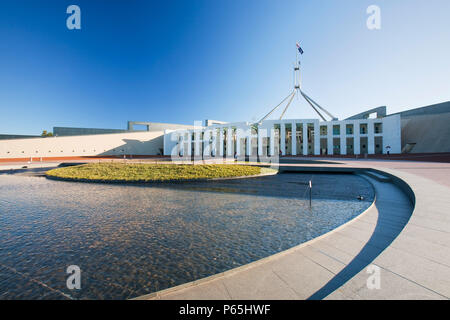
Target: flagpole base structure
(298,91)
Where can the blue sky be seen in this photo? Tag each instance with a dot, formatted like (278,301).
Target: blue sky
(180,61)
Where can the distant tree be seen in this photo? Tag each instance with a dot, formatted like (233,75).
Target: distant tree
(46,134)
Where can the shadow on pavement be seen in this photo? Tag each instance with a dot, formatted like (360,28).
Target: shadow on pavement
(389,225)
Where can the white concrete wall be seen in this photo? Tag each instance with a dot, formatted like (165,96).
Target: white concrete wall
(392,133)
(136,143)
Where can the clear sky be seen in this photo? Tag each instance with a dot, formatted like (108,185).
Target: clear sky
(180,61)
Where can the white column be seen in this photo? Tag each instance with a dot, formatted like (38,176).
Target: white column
(238,141)
(343,136)
(221,137)
(206,144)
(214,142)
(294,139)
(230,141)
(316,137)
(370,137)
(262,133)
(305,139)
(357,138)
(198,136)
(283,138)
(248,150)
(189,143)
(272,140)
(330,138)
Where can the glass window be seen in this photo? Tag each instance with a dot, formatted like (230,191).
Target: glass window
(336,130)
(378,128)
(349,129)
(363,128)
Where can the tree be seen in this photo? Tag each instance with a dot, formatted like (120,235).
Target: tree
(46,134)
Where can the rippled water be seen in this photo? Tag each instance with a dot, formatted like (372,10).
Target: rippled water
(133,240)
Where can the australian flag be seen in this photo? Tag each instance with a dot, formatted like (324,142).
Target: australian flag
(299,48)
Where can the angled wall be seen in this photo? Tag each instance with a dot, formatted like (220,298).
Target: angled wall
(426,129)
(136,143)
(426,133)
(380,111)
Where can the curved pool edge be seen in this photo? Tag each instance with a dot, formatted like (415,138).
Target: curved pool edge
(404,237)
(160,293)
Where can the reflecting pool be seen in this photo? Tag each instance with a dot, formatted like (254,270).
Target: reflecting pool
(133,240)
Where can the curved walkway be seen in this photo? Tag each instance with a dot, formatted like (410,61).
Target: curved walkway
(412,253)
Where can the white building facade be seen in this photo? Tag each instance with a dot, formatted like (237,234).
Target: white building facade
(289,137)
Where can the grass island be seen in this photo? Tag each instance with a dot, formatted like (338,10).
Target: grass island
(138,172)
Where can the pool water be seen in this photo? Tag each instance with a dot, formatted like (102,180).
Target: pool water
(130,240)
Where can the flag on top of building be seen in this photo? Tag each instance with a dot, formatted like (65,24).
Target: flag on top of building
(299,48)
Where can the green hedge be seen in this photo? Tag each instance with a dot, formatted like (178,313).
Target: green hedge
(117,172)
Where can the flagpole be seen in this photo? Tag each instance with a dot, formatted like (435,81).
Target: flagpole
(297,71)
(299,76)
(296,64)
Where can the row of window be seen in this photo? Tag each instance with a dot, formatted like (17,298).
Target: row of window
(349,130)
(363,129)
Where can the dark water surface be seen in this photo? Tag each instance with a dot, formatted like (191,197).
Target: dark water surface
(133,240)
